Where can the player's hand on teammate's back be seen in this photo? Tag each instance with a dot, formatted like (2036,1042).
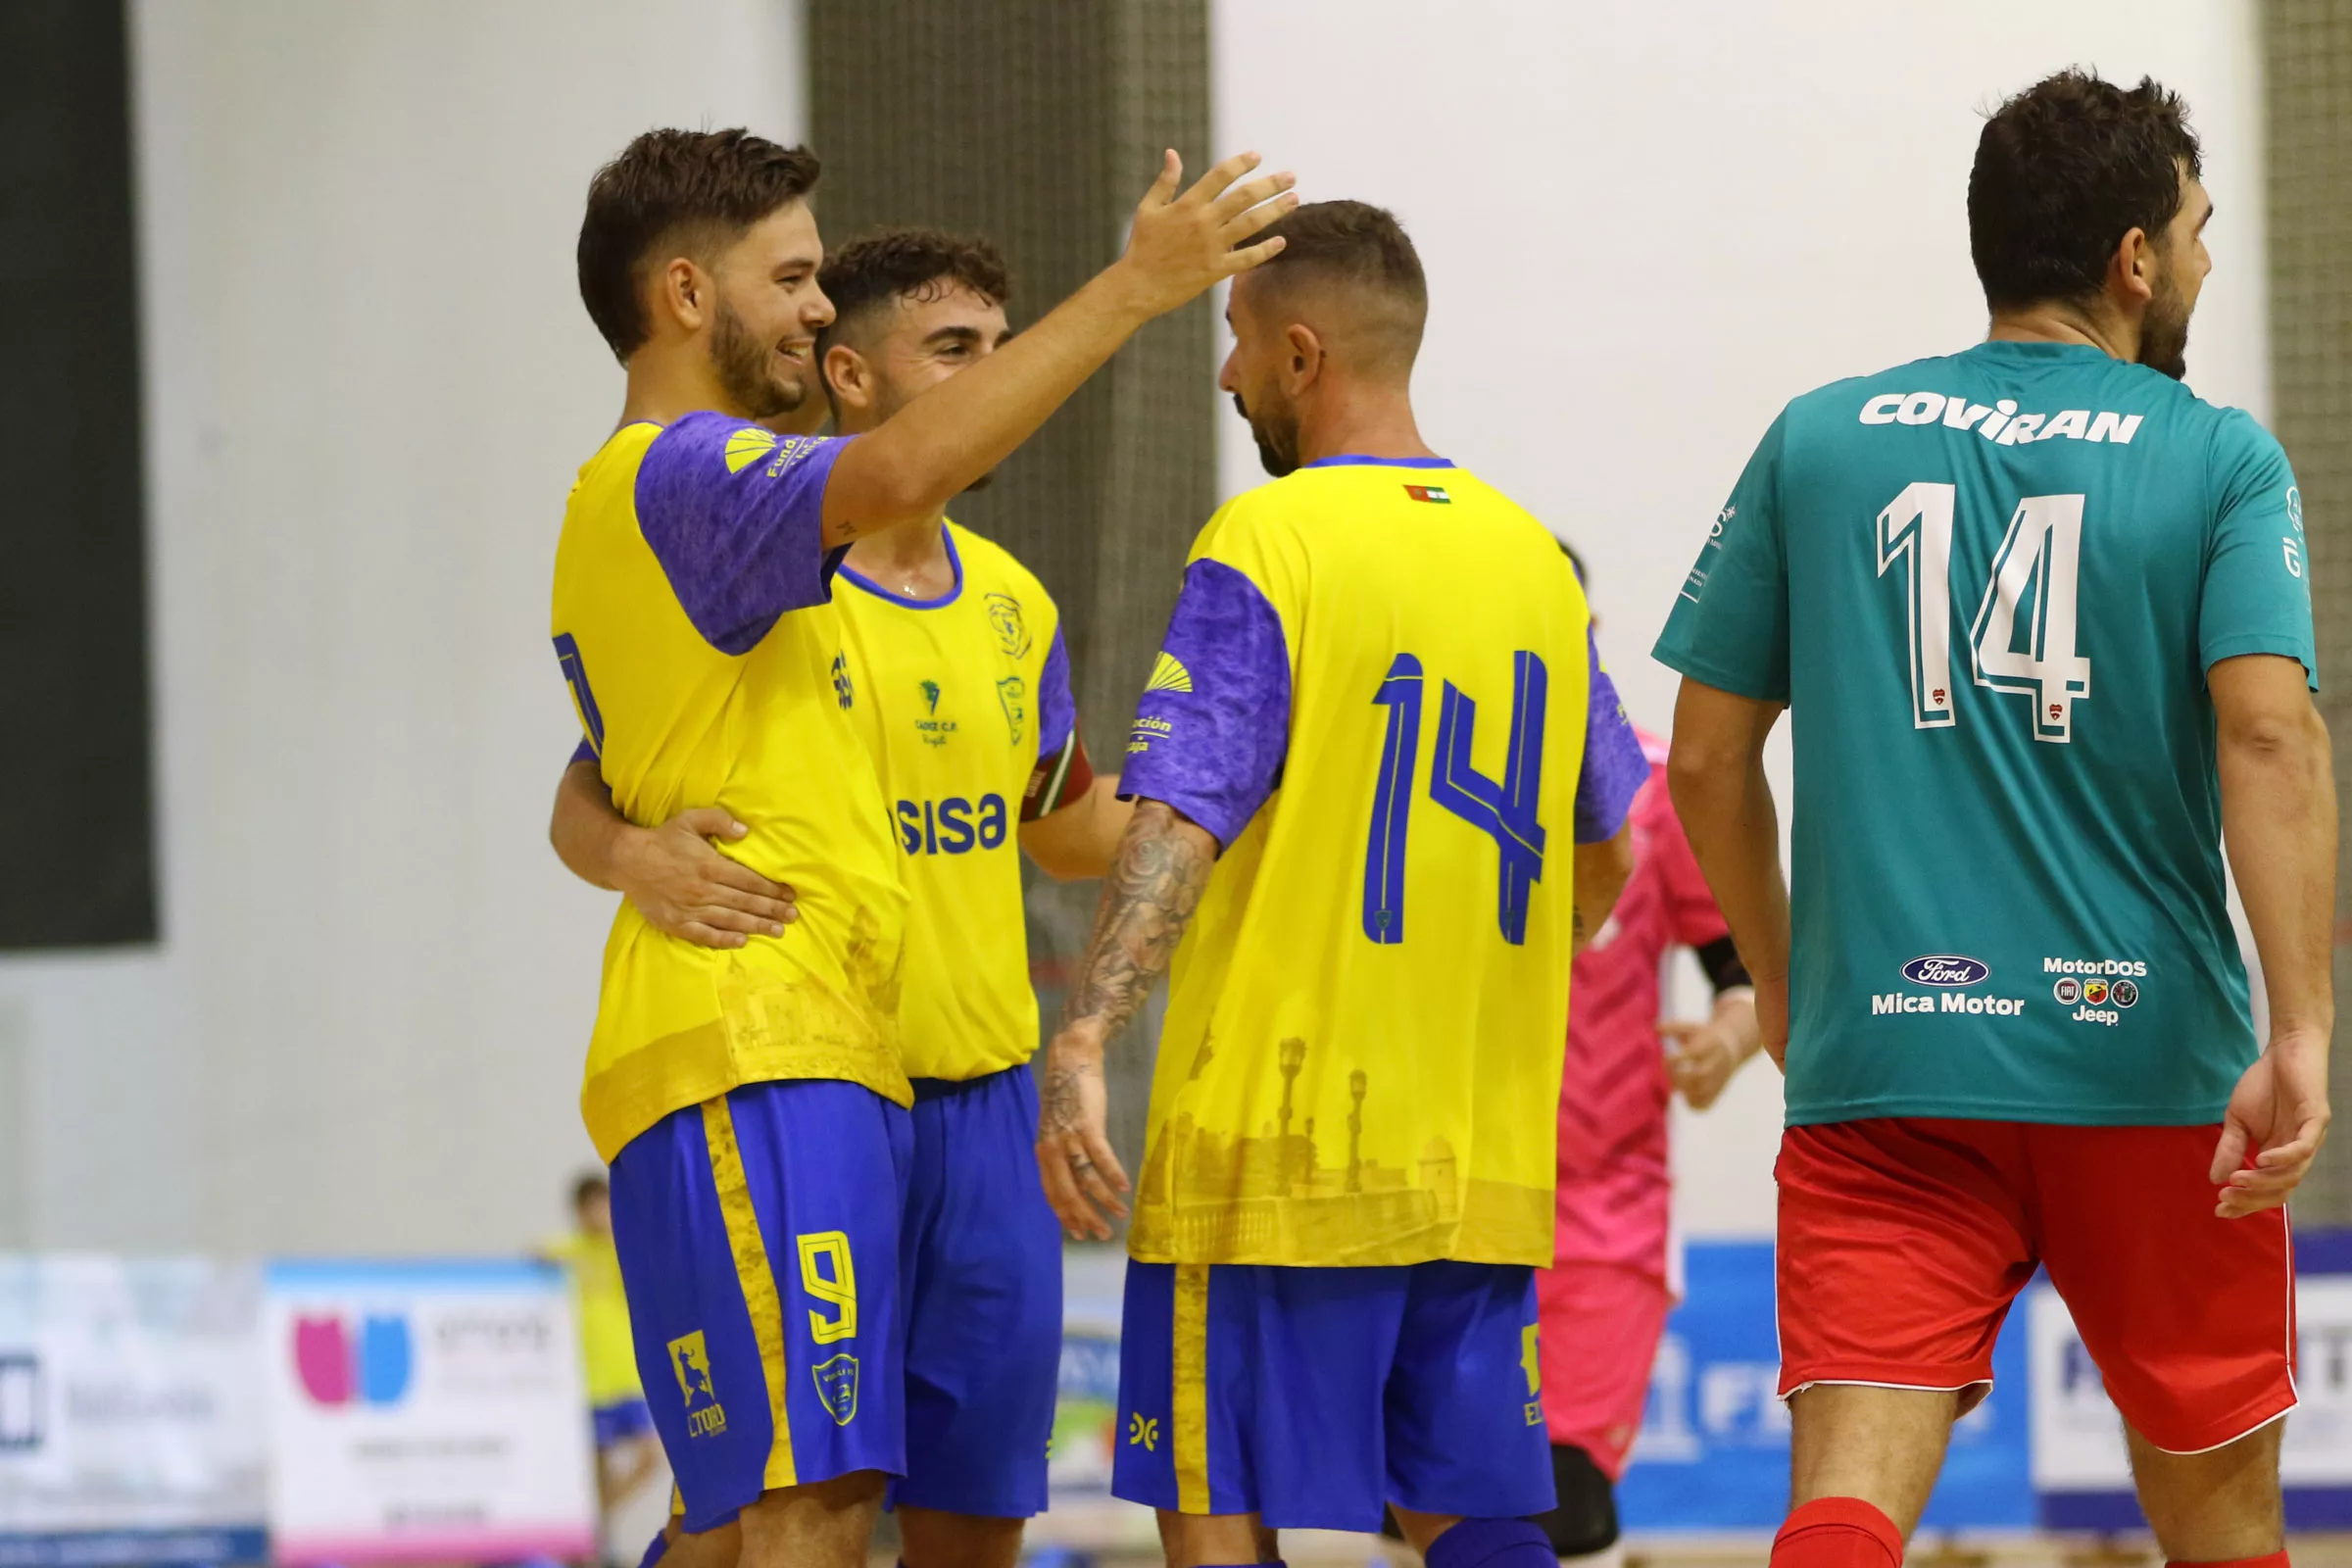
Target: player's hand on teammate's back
(685,888)
(1083,1177)
(1181,245)
(2279,1114)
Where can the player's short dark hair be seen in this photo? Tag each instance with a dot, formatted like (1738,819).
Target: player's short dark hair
(1358,246)
(2063,171)
(590,1184)
(917,263)
(687,192)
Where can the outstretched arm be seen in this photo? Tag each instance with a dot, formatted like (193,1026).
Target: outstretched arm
(674,877)
(1716,771)
(2279,822)
(932,450)
(1163,864)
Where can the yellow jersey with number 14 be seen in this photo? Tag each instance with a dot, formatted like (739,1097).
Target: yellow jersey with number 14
(960,698)
(1375,691)
(692,621)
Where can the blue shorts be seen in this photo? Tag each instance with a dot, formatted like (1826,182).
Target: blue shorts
(980,1261)
(620,1421)
(759,1242)
(1310,1396)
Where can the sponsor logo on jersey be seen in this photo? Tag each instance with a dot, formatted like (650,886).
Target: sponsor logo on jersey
(953,826)
(2094,992)
(1947,969)
(2122,994)
(842,692)
(1429,492)
(690,1360)
(2068,991)
(1905,1001)
(2110,967)
(747,446)
(2000,421)
(1169,675)
(1004,620)
(2106,1015)
(1146,731)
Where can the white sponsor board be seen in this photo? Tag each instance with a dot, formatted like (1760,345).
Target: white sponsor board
(2079,1438)
(132,1424)
(425,1412)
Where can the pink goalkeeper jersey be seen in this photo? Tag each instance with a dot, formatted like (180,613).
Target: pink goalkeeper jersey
(1615,1194)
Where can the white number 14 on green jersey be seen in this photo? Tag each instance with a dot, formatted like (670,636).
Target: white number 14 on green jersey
(2041,551)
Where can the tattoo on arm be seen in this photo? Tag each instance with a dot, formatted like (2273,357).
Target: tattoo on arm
(1155,883)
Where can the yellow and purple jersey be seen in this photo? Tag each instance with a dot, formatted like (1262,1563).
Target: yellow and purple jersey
(692,621)
(1378,692)
(964,703)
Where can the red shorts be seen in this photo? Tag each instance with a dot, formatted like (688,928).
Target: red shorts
(1600,1326)
(1902,1242)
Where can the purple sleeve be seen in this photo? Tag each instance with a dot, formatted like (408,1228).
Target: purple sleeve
(585,751)
(1614,768)
(1056,709)
(1214,724)
(735,514)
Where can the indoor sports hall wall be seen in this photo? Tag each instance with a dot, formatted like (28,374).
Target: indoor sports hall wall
(369,384)
(1648,226)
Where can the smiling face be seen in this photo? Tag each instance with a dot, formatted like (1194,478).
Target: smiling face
(905,345)
(769,309)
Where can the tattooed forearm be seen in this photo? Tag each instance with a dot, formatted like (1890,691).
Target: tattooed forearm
(1156,881)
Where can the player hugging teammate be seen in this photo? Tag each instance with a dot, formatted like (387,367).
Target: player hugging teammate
(1382,791)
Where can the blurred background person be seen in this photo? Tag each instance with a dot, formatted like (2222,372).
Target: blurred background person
(628,1455)
(1617,1270)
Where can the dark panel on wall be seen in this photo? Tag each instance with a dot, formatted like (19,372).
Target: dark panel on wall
(77,821)
(1038,123)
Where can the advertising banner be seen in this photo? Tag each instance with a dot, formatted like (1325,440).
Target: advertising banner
(424,1412)
(1713,1452)
(132,1424)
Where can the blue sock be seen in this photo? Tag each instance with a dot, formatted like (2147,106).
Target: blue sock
(1493,1544)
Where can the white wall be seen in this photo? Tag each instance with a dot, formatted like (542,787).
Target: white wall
(370,380)
(1646,226)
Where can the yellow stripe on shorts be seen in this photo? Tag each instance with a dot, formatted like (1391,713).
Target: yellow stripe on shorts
(1189,1403)
(758,1281)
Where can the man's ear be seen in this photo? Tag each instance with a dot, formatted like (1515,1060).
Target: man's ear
(849,377)
(2131,271)
(683,293)
(1303,355)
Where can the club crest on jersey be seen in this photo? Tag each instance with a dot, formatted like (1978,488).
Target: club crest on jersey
(1429,492)
(837,1386)
(1947,969)
(933,730)
(1012,694)
(1004,620)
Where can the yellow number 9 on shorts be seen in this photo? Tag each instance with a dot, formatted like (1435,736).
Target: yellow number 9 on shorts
(839,1289)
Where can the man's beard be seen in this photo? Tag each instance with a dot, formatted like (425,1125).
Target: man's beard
(1277,437)
(742,367)
(2163,329)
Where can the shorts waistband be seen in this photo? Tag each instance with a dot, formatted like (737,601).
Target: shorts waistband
(942,1088)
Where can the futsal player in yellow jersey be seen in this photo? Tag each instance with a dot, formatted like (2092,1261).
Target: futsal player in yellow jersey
(750,1101)
(962,697)
(1381,786)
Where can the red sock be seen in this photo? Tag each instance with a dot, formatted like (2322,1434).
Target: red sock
(2274,1560)
(1838,1532)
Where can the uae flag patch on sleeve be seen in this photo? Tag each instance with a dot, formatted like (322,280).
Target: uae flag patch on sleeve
(1429,492)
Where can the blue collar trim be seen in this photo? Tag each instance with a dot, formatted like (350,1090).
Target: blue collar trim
(954,564)
(1352,460)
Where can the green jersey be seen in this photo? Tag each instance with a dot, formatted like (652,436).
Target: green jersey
(1989,587)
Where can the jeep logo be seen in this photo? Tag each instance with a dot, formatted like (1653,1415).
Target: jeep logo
(1946,969)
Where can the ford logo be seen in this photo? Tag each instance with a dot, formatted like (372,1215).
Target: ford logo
(1946,969)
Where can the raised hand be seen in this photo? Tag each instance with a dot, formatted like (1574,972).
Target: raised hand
(1181,245)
